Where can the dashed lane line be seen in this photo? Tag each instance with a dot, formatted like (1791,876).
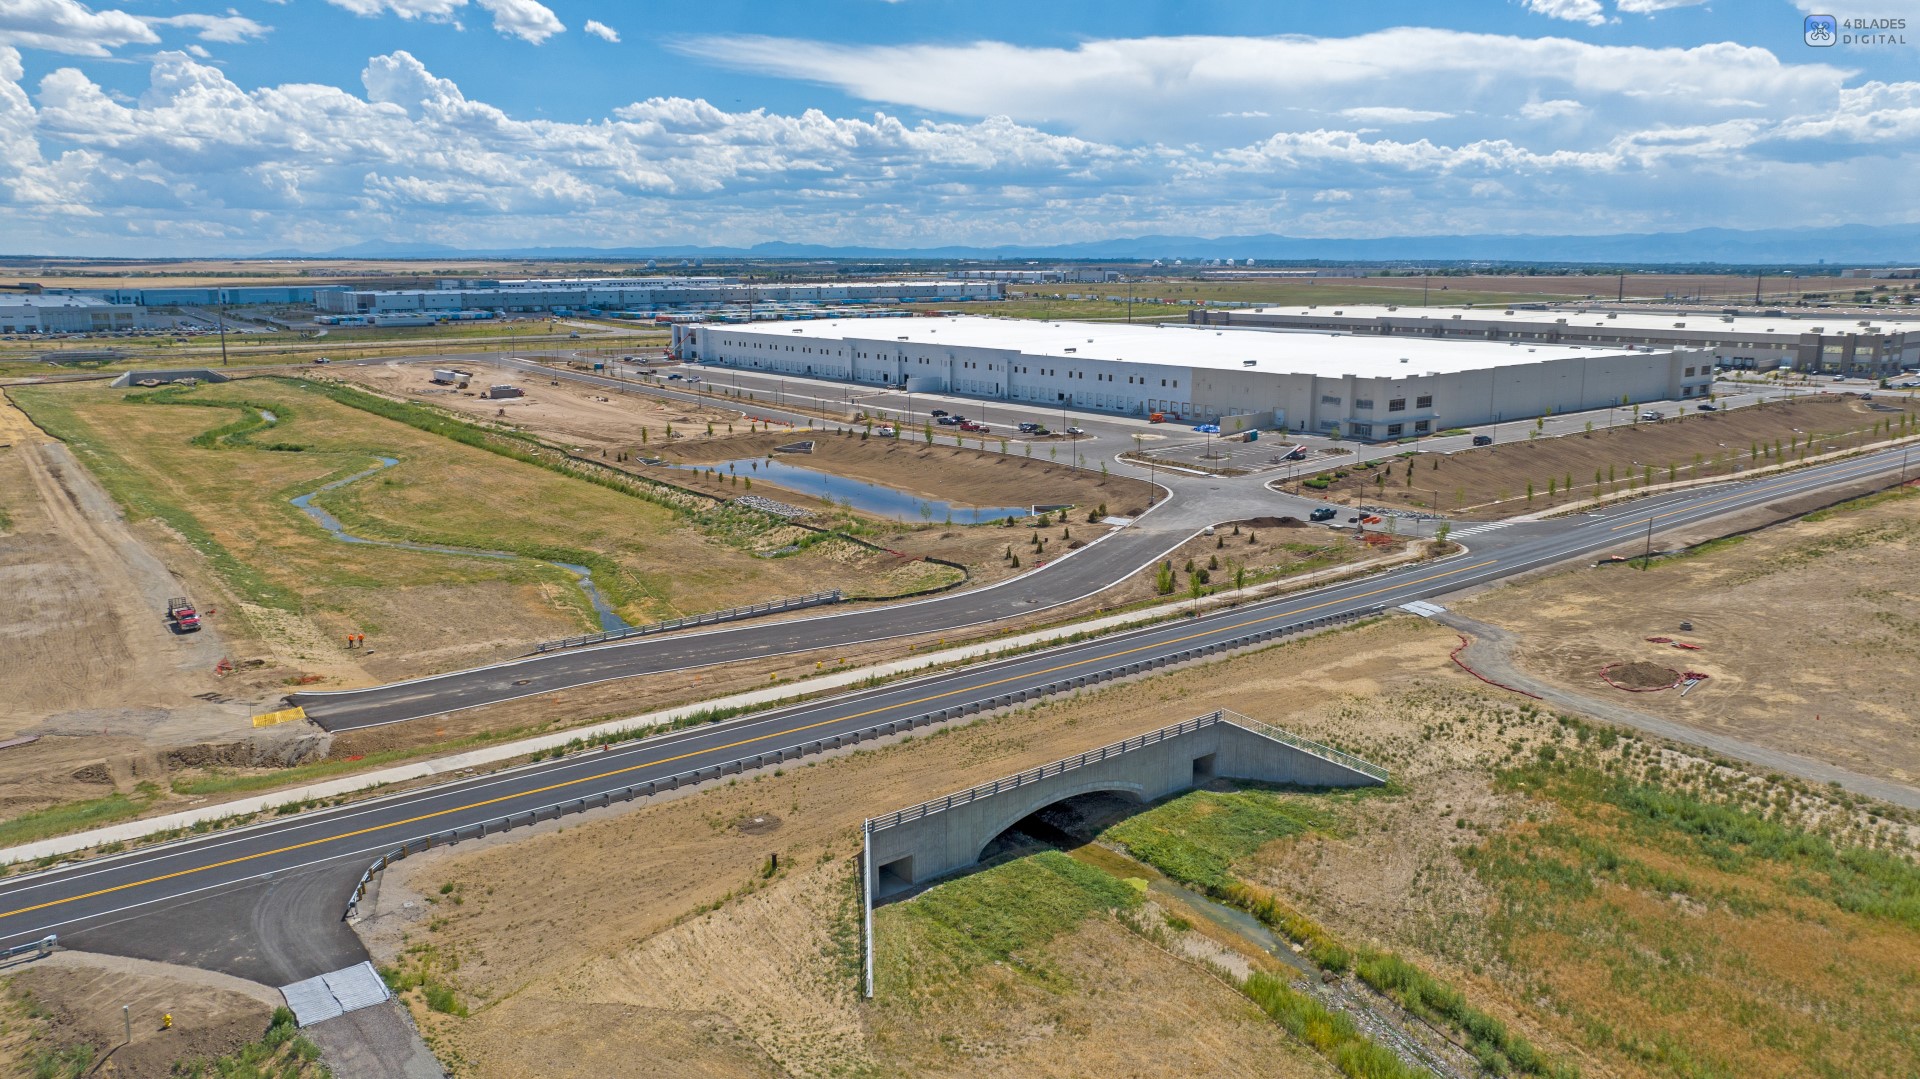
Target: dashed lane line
(712,749)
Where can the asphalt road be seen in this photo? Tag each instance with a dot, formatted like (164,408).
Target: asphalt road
(263,902)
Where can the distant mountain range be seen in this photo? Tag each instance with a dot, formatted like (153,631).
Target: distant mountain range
(1837,245)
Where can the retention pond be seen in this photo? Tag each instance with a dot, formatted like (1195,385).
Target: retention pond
(861,495)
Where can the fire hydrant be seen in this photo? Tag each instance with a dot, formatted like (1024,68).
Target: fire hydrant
(166,1021)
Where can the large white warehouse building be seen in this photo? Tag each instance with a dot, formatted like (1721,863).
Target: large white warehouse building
(642,293)
(1812,341)
(1362,387)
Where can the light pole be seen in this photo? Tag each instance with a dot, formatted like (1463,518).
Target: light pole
(221,318)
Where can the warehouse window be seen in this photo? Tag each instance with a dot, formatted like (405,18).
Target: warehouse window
(1329,399)
(1394,429)
(1421,427)
(1359,430)
(1398,404)
(1362,404)
(1424,402)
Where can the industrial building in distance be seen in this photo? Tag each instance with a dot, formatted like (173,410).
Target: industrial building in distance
(24,312)
(1358,386)
(1813,342)
(639,296)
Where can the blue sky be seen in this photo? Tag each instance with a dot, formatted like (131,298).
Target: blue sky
(149,127)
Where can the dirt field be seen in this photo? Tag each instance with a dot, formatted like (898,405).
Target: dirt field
(1805,630)
(1491,482)
(581,419)
(72,1006)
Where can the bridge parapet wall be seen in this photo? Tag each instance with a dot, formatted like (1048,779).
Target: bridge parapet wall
(947,834)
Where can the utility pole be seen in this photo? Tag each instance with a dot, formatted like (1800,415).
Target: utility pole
(1757,277)
(1621,297)
(1425,280)
(221,318)
(1129,299)
(1646,560)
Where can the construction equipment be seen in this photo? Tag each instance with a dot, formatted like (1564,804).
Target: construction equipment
(180,612)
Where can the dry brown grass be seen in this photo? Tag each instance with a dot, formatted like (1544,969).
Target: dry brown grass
(1491,482)
(1805,630)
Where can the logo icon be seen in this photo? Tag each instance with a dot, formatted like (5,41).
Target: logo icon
(1821,30)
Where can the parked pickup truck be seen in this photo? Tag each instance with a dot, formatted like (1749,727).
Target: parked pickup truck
(1324,513)
(180,612)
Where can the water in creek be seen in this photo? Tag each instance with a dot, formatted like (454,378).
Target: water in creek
(862,495)
(584,576)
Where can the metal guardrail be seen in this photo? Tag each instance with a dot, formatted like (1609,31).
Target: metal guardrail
(1044,772)
(1107,752)
(41,948)
(556,810)
(731,614)
(1305,745)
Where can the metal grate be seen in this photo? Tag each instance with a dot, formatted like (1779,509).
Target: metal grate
(335,993)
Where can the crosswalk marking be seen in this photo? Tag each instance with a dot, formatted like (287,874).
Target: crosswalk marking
(1474,530)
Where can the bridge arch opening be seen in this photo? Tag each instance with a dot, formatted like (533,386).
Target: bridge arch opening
(1063,823)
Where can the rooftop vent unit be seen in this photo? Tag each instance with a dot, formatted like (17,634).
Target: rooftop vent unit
(1614,314)
(1339,312)
(1456,318)
(1403,359)
(1073,350)
(1253,363)
(1509,310)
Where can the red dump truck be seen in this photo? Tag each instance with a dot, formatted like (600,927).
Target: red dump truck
(180,612)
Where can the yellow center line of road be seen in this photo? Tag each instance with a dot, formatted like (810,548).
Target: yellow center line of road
(1641,522)
(714,749)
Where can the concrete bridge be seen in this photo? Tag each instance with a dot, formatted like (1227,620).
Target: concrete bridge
(947,834)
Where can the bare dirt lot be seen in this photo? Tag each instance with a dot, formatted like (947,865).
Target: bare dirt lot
(72,1006)
(581,418)
(1806,631)
(1493,481)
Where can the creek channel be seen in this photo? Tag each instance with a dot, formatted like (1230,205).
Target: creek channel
(861,495)
(1415,1041)
(584,576)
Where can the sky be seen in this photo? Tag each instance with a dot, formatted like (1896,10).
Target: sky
(234,127)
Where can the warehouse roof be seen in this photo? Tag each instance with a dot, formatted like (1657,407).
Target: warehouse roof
(52,299)
(1648,321)
(1322,354)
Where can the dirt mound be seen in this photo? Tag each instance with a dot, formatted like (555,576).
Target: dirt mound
(1641,675)
(1270,522)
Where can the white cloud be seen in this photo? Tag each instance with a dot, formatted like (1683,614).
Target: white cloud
(1172,89)
(1585,11)
(229,29)
(1548,110)
(1392,114)
(1649,7)
(430,10)
(528,20)
(197,162)
(69,27)
(602,31)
